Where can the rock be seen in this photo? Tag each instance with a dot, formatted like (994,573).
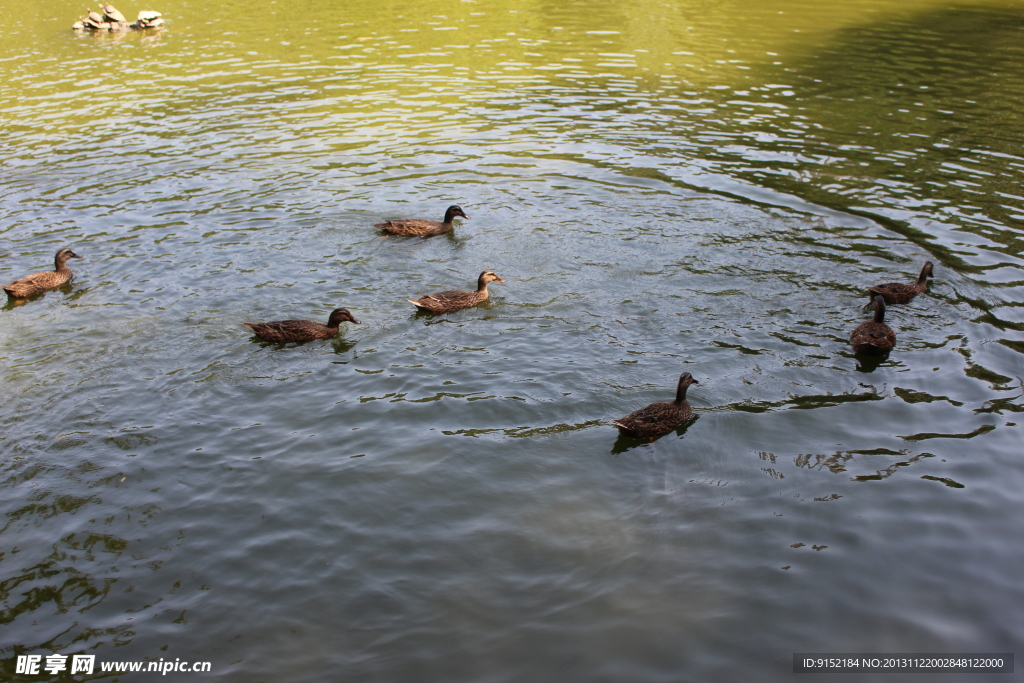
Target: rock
(112,20)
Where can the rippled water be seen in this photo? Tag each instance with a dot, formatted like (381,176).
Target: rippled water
(666,186)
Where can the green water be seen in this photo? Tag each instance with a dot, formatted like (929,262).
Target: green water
(665,187)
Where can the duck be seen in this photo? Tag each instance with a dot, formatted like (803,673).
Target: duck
(901,293)
(874,337)
(420,227)
(283,331)
(453,300)
(659,418)
(47,279)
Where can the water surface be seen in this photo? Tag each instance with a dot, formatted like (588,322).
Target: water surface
(665,187)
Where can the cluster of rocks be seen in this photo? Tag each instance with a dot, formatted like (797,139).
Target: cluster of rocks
(112,20)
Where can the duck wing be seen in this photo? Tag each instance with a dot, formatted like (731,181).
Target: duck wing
(291,330)
(37,282)
(443,302)
(655,419)
(895,292)
(873,338)
(413,226)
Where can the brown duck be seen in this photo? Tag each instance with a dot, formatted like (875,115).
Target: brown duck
(282,331)
(420,227)
(659,418)
(901,293)
(47,279)
(453,300)
(874,337)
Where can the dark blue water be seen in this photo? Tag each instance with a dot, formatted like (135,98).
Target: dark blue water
(664,188)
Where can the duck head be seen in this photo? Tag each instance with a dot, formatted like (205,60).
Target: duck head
(452,212)
(879,305)
(341,315)
(685,380)
(63,255)
(488,276)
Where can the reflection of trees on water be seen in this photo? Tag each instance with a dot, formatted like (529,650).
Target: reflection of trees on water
(66,583)
(918,115)
(58,589)
(840,461)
